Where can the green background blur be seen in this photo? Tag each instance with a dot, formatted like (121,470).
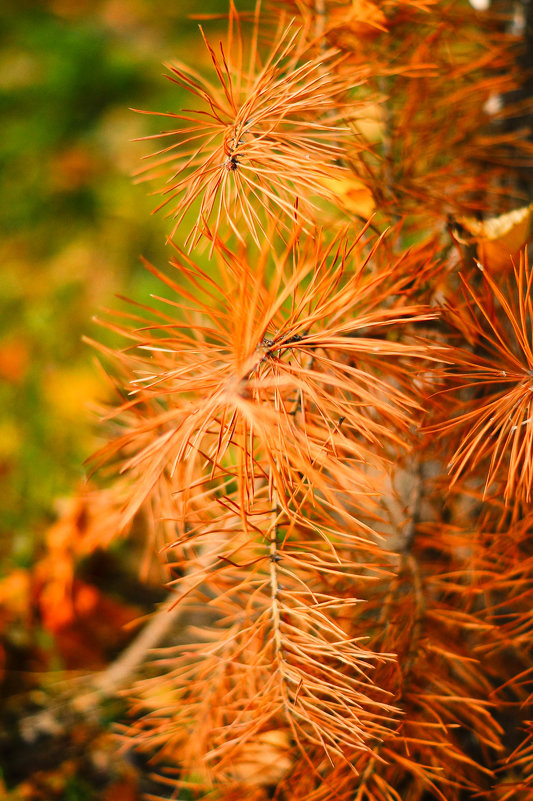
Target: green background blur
(73,224)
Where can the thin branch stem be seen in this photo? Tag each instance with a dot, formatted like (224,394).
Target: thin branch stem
(119,672)
(274,582)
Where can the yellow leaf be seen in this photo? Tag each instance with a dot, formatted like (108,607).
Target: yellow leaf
(369,122)
(498,239)
(351,194)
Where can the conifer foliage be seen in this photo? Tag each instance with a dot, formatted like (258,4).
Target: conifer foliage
(327,415)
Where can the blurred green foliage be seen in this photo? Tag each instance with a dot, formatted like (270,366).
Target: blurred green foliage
(72,225)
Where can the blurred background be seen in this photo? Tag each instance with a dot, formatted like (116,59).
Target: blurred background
(73,227)
(72,224)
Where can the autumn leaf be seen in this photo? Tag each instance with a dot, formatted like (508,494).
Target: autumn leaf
(352,194)
(498,240)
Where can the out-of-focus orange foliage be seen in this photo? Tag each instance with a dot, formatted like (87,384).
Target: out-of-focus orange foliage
(15,595)
(350,24)
(85,622)
(14,360)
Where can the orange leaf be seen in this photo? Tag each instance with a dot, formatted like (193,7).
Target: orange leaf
(351,194)
(15,592)
(499,238)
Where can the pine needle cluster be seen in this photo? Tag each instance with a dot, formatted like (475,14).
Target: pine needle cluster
(328,417)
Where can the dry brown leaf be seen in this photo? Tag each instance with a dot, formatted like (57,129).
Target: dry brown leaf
(498,239)
(351,194)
